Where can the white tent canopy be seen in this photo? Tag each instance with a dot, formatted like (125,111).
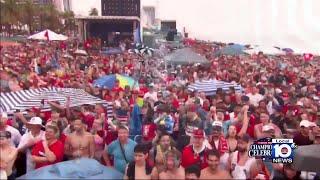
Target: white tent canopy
(266,50)
(48,35)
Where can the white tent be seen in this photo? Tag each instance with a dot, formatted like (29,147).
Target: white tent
(48,35)
(266,50)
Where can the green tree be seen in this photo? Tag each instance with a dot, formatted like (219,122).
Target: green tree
(69,21)
(49,18)
(93,12)
(9,15)
(27,15)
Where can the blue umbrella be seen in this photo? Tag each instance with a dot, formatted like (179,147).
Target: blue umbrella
(107,82)
(235,49)
(288,50)
(109,51)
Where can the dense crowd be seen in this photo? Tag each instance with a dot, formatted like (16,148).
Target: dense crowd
(174,133)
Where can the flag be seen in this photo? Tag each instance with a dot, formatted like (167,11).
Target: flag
(308,56)
(137,36)
(46,34)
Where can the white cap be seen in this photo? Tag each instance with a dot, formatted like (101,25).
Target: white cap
(278,91)
(312,124)
(267,128)
(217,123)
(4,115)
(299,103)
(35,121)
(305,123)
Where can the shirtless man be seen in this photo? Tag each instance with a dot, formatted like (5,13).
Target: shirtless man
(80,143)
(8,154)
(213,171)
(139,169)
(173,170)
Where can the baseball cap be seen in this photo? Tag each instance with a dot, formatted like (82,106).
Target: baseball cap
(199,133)
(305,123)
(217,124)
(35,121)
(267,127)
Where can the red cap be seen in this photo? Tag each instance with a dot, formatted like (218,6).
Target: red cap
(199,133)
(35,110)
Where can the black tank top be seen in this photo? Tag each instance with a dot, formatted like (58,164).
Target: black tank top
(131,170)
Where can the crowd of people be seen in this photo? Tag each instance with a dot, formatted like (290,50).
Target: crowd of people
(174,133)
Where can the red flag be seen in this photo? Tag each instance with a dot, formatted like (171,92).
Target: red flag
(46,35)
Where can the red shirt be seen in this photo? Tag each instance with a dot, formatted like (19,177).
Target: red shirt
(89,118)
(190,158)
(250,130)
(57,148)
(149,131)
(117,89)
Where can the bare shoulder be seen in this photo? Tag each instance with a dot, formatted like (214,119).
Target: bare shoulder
(163,175)
(225,174)
(87,134)
(203,173)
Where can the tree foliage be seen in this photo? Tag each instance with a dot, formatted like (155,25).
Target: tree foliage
(17,14)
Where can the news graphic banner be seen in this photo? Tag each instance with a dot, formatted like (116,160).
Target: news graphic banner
(273,150)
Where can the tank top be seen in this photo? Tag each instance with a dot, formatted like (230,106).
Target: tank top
(131,170)
(240,172)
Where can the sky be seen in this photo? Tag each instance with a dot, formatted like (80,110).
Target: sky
(284,23)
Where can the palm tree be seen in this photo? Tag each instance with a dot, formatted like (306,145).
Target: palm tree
(9,14)
(93,12)
(27,14)
(48,17)
(69,22)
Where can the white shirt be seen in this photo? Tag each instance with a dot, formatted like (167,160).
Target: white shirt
(255,99)
(15,135)
(153,96)
(27,137)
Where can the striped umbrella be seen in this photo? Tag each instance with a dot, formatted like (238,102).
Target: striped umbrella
(210,87)
(26,99)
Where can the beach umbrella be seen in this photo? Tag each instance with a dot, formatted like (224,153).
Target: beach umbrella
(48,35)
(307,158)
(26,99)
(81,168)
(209,87)
(108,81)
(232,50)
(269,50)
(288,50)
(81,52)
(185,56)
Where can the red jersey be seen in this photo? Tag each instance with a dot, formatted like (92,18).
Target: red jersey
(149,131)
(57,148)
(189,157)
